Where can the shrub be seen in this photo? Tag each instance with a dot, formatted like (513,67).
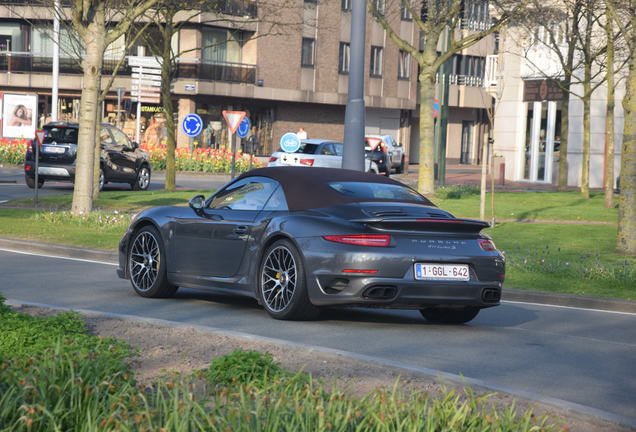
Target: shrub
(242,367)
(456,191)
(201,159)
(12,151)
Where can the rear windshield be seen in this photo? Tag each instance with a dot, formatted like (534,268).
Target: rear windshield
(60,134)
(305,148)
(386,191)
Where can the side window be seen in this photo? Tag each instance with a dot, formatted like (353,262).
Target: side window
(328,150)
(339,149)
(105,137)
(120,138)
(248,194)
(277,202)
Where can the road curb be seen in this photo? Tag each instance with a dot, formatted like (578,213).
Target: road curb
(512,295)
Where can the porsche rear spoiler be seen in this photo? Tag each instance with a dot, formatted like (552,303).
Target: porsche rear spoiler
(425,224)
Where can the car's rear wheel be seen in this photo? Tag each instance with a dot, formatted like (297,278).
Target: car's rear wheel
(449,315)
(102,179)
(143,179)
(147,264)
(400,168)
(30,182)
(282,288)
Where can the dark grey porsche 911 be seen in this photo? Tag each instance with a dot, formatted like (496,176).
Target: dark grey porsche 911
(299,238)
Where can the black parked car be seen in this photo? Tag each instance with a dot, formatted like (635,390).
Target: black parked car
(298,239)
(122,161)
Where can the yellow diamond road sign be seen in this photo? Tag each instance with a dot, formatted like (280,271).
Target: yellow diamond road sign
(233,119)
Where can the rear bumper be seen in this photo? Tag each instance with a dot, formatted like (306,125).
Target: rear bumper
(47,171)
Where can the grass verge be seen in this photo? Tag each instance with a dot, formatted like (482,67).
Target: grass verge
(66,379)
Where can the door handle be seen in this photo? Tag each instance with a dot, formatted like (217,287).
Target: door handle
(240,230)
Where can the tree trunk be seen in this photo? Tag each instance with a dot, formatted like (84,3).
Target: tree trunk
(609,119)
(168,109)
(563,146)
(92,67)
(626,240)
(426,174)
(585,155)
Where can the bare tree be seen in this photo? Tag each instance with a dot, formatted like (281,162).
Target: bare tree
(434,18)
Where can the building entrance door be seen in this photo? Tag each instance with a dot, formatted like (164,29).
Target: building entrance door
(542,130)
(467,141)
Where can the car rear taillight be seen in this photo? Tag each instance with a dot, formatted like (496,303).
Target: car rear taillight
(380,240)
(27,167)
(273,159)
(487,245)
(308,162)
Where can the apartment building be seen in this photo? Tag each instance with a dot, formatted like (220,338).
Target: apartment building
(527,129)
(295,76)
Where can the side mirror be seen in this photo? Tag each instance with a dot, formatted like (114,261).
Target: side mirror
(135,145)
(197,203)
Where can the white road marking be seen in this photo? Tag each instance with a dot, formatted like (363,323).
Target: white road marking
(3,201)
(58,257)
(569,307)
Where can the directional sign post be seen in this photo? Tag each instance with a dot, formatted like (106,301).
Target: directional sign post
(192,125)
(39,139)
(233,120)
(242,131)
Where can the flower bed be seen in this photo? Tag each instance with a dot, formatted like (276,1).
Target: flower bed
(12,152)
(200,159)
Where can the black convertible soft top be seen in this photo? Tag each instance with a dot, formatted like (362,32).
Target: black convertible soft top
(308,188)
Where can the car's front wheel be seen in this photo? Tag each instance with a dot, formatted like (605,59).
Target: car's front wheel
(143,179)
(147,264)
(401,167)
(449,315)
(30,182)
(282,289)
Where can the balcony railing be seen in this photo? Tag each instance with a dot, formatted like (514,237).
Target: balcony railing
(492,66)
(26,63)
(466,80)
(216,71)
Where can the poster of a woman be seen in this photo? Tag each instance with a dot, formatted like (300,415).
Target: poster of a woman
(19,112)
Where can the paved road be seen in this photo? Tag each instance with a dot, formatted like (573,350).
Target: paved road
(12,184)
(581,356)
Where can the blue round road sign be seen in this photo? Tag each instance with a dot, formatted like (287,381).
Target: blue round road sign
(192,125)
(290,142)
(244,127)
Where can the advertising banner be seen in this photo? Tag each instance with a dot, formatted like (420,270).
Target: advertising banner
(19,115)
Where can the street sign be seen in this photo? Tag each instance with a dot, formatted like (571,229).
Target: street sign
(289,142)
(192,125)
(145,77)
(151,62)
(39,137)
(233,119)
(244,128)
(149,71)
(148,100)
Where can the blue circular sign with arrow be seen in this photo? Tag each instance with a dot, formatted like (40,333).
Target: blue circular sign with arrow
(244,127)
(192,125)
(290,143)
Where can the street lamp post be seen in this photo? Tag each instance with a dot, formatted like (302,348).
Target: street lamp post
(353,154)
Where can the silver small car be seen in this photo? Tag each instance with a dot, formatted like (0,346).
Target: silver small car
(316,153)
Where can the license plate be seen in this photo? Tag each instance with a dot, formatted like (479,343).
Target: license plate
(53,149)
(425,271)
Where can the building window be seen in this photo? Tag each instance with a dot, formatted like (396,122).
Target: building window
(343,58)
(378,6)
(375,69)
(308,56)
(404,65)
(345,5)
(405,12)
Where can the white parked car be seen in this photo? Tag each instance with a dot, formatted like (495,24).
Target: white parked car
(316,153)
(394,150)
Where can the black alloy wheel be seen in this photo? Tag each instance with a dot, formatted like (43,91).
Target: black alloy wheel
(449,315)
(30,182)
(101,180)
(400,169)
(142,181)
(282,289)
(147,264)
